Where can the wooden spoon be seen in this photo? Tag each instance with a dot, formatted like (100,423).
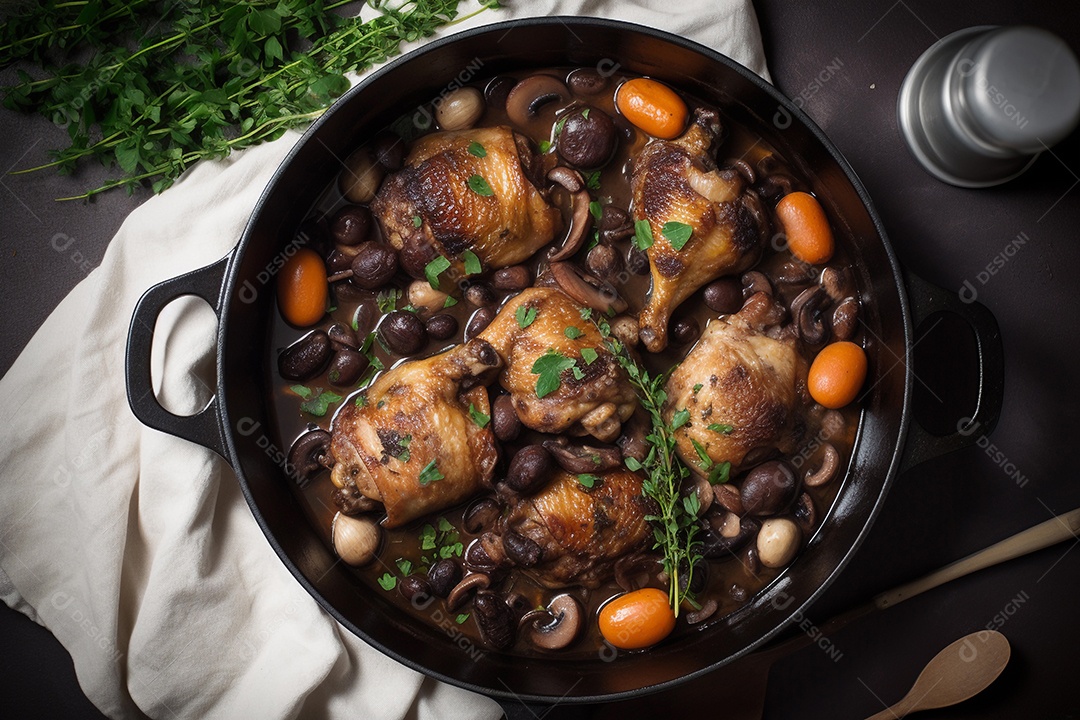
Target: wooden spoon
(960,671)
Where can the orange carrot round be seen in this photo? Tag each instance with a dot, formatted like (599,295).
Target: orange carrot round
(806,227)
(653,107)
(837,374)
(302,288)
(637,619)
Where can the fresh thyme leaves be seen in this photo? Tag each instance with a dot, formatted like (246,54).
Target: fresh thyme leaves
(549,368)
(680,418)
(477,150)
(524,316)
(478,417)
(480,186)
(704,460)
(675,527)
(150,87)
(472,262)
(430,474)
(720,474)
(643,238)
(677,234)
(722,428)
(434,268)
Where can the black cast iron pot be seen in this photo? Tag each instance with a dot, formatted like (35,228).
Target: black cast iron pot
(236,423)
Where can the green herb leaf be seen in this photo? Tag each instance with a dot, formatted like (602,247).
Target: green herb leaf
(573,332)
(417,221)
(680,418)
(435,268)
(403,452)
(461,618)
(706,461)
(697,388)
(318,405)
(596,210)
(722,428)
(643,238)
(720,473)
(587,479)
(677,233)
(360,401)
(545,147)
(387,581)
(549,367)
(405,566)
(387,300)
(427,537)
(430,474)
(592,180)
(585,313)
(559,125)
(300,390)
(472,263)
(478,417)
(480,186)
(589,355)
(579,374)
(524,316)
(585,113)
(632,463)
(477,149)
(450,301)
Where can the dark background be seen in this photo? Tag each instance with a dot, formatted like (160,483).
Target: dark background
(936,513)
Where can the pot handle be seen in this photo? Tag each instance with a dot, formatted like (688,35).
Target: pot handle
(514,709)
(926,299)
(204,427)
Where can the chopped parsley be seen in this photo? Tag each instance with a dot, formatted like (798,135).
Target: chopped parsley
(697,388)
(677,233)
(442,540)
(545,147)
(596,210)
(579,374)
(404,455)
(319,402)
(573,332)
(524,316)
(435,268)
(643,238)
(549,368)
(720,474)
(430,474)
(405,566)
(589,355)
(680,418)
(560,125)
(592,180)
(472,263)
(300,390)
(585,113)
(387,300)
(722,428)
(450,301)
(477,149)
(462,617)
(478,417)
(388,581)
(480,186)
(417,221)
(585,312)
(587,479)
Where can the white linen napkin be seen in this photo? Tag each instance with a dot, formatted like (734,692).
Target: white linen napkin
(135,548)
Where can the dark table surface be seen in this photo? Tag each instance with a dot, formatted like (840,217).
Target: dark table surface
(845,62)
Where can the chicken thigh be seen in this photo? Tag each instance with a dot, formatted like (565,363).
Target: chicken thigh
(448,199)
(582,531)
(675,184)
(743,390)
(592,394)
(411,443)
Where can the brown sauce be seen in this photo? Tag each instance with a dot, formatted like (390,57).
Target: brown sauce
(402,545)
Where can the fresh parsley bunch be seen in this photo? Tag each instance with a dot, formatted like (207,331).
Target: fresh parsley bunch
(151,87)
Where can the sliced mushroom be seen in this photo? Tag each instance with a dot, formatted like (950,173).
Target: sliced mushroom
(586,289)
(743,168)
(754,282)
(805,514)
(728,497)
(811,320)
(534,92)
(603,422)
(845,318)
(481,515)
(581,220)
(830,464)
(632,442)
(469,584)
(703,613)
(578,459)
(559,625)
(723,536)
(837,283)
(521,550)
(705,494)
(309,455)
(615,224)
(492,545)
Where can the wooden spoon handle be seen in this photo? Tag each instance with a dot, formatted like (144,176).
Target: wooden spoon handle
(1051,532)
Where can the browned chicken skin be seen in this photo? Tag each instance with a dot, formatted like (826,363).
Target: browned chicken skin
(582,531)
(749,381)
(676,181)
(415,414)
(597,403)
(504,228)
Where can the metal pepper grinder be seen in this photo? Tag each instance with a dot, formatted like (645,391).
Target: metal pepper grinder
(979,106)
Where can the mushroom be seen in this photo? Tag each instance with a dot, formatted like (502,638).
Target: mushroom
(444,576)
(703,613)
(810,319)
(534,92)
(460,109)
(728,497)
(359,180)
(472,582)
(603,422)
(615,224)
(588,138)
(725,532)
(581,220)
(578,459)
(837,283)
(754,282)
(587,81)
(492,546)
(558,626)
(830,464)
(630,568)
(845,318)
(762,311)
(521,550)
(481,515)
(743,168)
(632,442)
(498,89)
(769,488)
(626,330)
(349,500)
(777,542)
(805,513)
(356,540)
(494,619)
(305,358)
(586,289)
(309,455)
(705,494)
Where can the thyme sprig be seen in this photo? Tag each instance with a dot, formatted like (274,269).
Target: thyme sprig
(152,86)
(675,526)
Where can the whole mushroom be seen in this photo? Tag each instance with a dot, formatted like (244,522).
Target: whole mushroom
(557,626)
